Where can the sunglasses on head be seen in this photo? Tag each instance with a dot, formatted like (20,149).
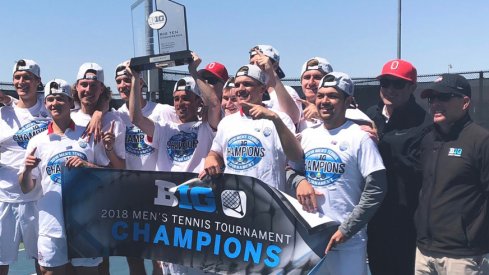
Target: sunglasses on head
(212,80)
(243,94)
(443,97)
(396,84)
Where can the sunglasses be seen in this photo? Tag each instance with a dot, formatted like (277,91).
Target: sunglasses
(396,84)
(443,97)
(212,80)
(126,80)
(243,94)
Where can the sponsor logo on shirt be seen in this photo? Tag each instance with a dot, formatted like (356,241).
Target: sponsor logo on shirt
(53,169)
(135,142)
(181,146)
(455,152)
(244,152)
(323,166)
(27,131)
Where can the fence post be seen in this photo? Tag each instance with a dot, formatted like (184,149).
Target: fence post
(481,115)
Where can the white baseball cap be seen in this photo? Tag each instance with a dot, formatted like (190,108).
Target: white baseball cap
(187,84)
(27,65)
(338,80)
(57,86)
(90,67)
(270,52)
(121,69)
(317,63)
(254,72)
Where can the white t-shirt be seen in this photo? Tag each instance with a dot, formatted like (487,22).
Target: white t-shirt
(81,118)
(182,147)
(17,127)
(336,163)
(352,114)
(252,148)
(53,150)
(273,102)
(139,154)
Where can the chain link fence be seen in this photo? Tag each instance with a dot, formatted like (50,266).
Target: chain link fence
(366,91)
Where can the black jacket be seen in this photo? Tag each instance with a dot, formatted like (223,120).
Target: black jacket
(453,215)
(397,138)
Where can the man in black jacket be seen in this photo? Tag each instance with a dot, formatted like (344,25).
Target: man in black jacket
(391,233)
(452,220)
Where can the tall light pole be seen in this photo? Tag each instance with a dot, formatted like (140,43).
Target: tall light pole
(399,30)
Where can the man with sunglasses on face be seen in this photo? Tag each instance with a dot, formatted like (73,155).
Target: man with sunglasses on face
(391,232)
(255,141)
(452,219)
(19,122)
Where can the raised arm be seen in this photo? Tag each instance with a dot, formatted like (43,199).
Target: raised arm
(285,101)
(137,118)
(208,94)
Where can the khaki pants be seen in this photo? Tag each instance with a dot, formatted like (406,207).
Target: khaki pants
(438,264)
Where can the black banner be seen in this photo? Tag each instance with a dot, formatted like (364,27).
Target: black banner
(232,223)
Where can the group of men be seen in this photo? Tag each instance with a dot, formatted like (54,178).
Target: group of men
(417,179)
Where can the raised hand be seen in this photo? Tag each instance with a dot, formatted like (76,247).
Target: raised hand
(108,137)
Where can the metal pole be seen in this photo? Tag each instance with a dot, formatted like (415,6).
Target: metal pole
(399,30)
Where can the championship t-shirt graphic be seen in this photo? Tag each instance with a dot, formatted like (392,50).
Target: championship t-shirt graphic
(53,168)
(27,131)
(323,166)
(181,146)
(135,142)
(244,151)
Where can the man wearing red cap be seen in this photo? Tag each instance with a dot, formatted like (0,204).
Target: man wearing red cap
(391,233)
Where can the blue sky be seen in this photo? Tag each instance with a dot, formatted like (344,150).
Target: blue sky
(356,36)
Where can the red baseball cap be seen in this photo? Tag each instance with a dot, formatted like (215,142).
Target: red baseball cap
(399,68)
(217,69)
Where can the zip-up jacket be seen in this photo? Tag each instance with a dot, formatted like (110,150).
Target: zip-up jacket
(453,216)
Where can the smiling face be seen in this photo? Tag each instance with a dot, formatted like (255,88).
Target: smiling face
(58,105)
(332,104)
(123,83)
(448,108)
(186,105)
(229,101)
(310,82)
(394,91)
(248,90)
(89,91)
(25,84)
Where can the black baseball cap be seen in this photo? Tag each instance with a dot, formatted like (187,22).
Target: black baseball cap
(448,83)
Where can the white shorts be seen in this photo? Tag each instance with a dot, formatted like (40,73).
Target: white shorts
(18,223)
(53,252)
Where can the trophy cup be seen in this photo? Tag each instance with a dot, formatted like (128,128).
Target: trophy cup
(170,21)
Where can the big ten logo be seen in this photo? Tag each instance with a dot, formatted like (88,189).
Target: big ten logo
(197,198)
(157,20)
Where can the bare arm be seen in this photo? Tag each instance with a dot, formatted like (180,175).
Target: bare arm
(208,94)
(285,101)
(25,180)
(145,124)
(292,147)
(109,140)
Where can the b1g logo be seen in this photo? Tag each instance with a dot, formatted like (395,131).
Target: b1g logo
(181,147)
(244,152)
(323,166)
(53,169)
(157,20)
(135,142)
(200,198)
(26,132)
